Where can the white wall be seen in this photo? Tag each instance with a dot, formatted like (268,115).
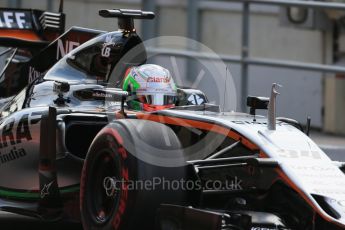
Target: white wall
(302,92)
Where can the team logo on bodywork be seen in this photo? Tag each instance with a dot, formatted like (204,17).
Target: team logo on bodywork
(15,20)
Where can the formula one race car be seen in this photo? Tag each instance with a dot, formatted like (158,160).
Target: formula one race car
(75,147)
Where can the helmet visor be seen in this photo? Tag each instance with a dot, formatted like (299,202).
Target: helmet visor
(157,99)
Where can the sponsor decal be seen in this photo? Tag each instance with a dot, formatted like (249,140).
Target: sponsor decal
(316,168)
(158,79)
(105,48)
(102,95)
(15,20)
(195,99)
(12,155)
(14,132)
(45,190)
(263,228)
(63,49)
(280,123)
(106,51)
(11,135)
(33,74)
(286,153)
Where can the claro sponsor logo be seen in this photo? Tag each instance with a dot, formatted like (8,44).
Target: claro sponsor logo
(262,228)
(158,79)
(15,20)
(65,48)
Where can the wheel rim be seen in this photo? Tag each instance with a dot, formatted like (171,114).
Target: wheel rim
(104,186)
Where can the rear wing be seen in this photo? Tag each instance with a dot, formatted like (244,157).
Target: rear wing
(23,28)
(28,28)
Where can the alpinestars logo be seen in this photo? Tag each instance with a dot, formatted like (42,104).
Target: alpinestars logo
(45,191)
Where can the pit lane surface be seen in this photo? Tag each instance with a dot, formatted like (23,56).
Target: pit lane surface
(16,222)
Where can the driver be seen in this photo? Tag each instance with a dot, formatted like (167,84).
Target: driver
(150,88)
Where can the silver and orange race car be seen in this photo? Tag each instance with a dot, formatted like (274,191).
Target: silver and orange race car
(70,148)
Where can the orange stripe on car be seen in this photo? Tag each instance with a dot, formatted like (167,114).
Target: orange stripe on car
(20,34)
(199,125)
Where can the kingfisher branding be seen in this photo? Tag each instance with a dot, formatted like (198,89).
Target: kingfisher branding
(15,20)
(33,74)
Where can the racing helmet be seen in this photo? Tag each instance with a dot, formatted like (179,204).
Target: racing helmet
(151,88)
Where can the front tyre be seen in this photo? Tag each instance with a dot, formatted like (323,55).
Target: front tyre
(117,189)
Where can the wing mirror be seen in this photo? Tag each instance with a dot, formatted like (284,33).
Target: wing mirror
(255,103)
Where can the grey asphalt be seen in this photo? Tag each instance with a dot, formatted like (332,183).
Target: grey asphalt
(15,222)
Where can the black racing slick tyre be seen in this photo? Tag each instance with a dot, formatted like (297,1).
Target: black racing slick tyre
(123,180)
